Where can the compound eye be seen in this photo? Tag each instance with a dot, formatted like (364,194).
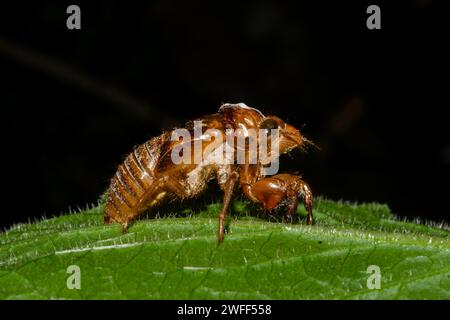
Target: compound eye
(271,123)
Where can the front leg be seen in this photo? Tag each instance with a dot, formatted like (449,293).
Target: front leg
(227,187)
(281,190)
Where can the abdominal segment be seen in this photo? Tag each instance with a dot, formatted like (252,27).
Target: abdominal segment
(132,181)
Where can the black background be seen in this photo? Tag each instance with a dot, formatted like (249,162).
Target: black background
(74,102)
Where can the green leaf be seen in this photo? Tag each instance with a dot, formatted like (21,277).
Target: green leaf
(178,257)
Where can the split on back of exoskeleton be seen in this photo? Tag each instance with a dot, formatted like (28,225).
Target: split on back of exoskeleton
(148,174)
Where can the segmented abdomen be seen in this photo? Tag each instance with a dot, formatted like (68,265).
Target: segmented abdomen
(133,177)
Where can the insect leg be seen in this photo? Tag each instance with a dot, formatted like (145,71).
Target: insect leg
(124,227)
(307,197)
(228,189)
(295,188)
(281,189)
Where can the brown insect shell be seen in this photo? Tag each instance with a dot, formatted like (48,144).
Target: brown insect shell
(271,191)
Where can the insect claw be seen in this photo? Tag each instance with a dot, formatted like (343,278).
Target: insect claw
(307,201)
(124,227)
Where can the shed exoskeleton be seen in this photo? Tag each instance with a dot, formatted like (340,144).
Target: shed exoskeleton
(149,174)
